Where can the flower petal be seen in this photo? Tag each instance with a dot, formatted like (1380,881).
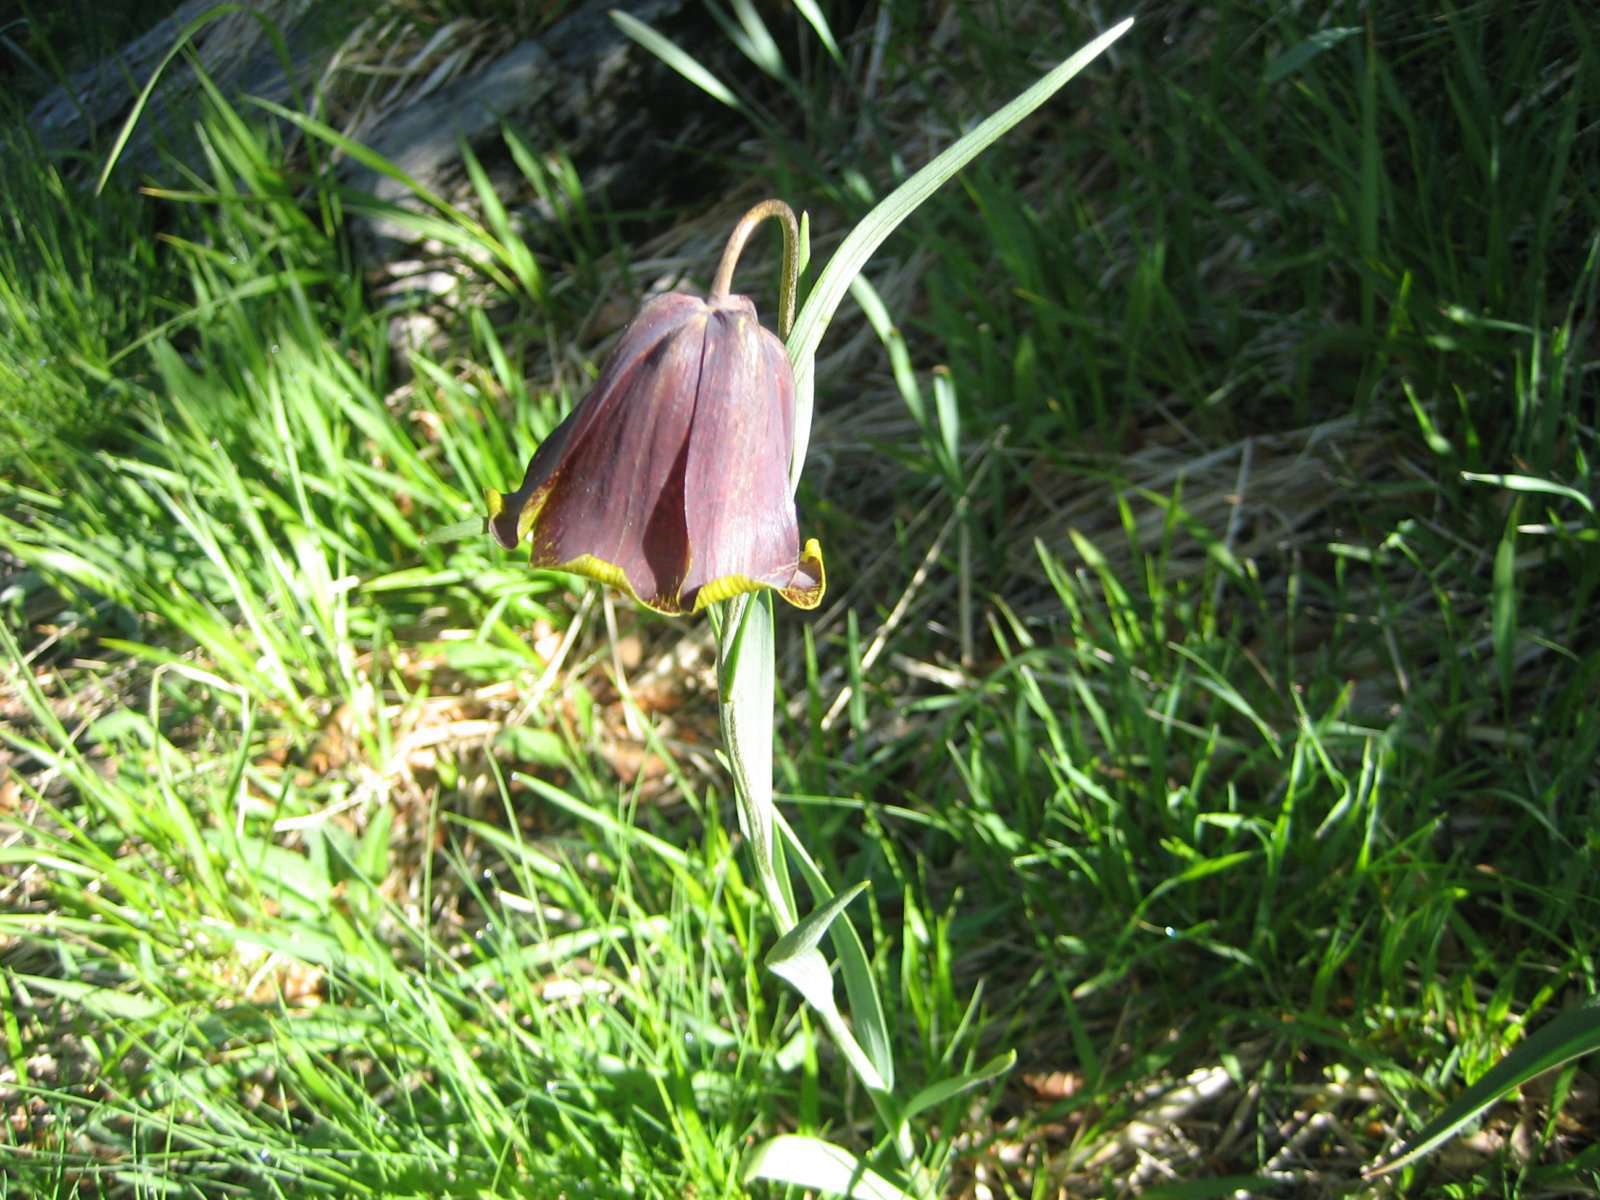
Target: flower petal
(617,494)
(512,516)
(670,480)
(738,509)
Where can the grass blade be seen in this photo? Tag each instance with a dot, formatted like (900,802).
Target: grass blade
(1571,1035)
(892,211)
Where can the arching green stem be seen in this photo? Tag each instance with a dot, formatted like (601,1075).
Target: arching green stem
(723,283)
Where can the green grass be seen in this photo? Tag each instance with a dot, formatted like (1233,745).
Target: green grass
(80,277)
(1207,687)
(43,44)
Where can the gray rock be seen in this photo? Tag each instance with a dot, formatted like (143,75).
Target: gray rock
(562,81)
(235,51)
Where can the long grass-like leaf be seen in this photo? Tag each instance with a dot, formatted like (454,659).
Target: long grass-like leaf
(670,53)
(810,1162)
(1570,1035)
(179,45)
(891,212)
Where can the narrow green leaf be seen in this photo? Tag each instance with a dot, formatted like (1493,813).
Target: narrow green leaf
(748,688)
(1298,55)
(892,211)
(102,1001)
(756,42)
(796,960)
(1437,442)
(1571,1035)
(937,1093)
(669,53)
(359,151)
(860,988)
(811,928)
(179,45)
(810,1162)
(605,819)
(564,947)
(819,23)
(372,851)
(1504,604)
(1528,483)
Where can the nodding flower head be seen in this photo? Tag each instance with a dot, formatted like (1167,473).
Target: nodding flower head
(670,480)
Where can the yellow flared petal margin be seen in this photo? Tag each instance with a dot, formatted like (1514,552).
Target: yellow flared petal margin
(495,502)
(591,567)
(728,586)
(723,588)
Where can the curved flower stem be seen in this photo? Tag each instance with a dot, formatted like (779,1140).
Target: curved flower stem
(723,283)
(745,648)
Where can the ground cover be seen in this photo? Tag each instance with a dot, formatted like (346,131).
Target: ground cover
(1206,688)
